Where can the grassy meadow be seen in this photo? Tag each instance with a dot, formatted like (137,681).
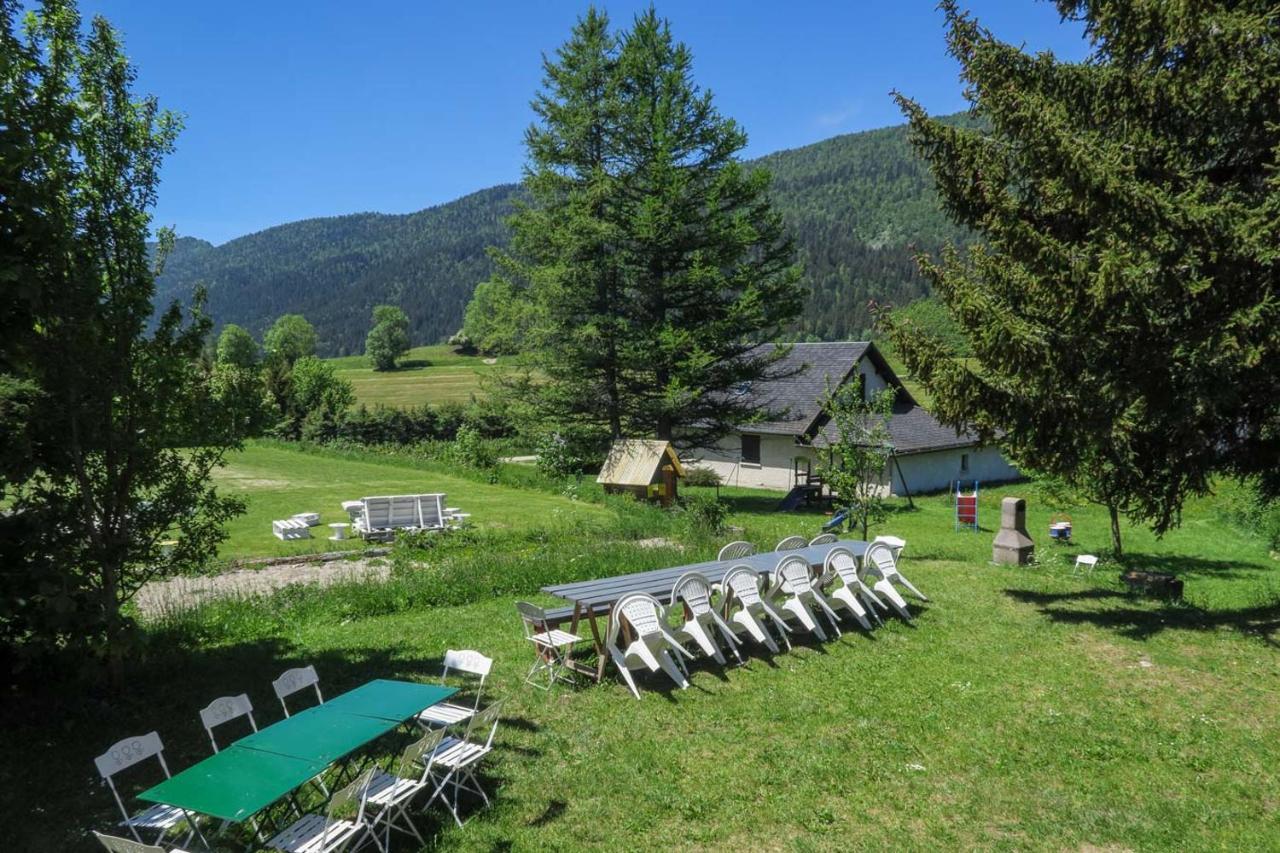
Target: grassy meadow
(1024,708)
(430,374)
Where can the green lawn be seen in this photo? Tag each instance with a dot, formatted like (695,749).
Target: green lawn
(277,482)
(1023,709)
(434,374)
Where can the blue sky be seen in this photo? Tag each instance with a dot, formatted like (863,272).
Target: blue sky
(296,109)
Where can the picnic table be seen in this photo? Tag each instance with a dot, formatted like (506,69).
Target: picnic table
(263,768)
(595,598)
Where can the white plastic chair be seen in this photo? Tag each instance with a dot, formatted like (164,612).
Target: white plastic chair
(223,710)
(116,844)
(293,680)
(553,648)
(127,753)
(454,762)
(842,565)
(793,586)
(895,545)
(694,591)
(326,833)
(878,563)
(824,539)
(791,543)
(468,662)
(652,647)
(1085,563)
(390,794)
(741,586)
(736,550)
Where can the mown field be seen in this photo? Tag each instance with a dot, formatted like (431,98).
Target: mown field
(431,374)
(1024,708)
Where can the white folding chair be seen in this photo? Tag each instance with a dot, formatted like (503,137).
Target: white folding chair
(842,565)
(553,648)
(223,710)
(391,793)
(293,680)
(116,844)
(468,662)
(333,830)
(795,592)
(736,550)
(127,753)
(453,763)
(653,643)
(741,587)
(878,563)
(694,591)
(791,543)
(824,539)
(1085,564)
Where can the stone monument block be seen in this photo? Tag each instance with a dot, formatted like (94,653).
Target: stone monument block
(1012,544)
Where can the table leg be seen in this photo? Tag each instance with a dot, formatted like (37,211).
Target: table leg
(602,654)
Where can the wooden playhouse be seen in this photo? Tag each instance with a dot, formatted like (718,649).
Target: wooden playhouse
(647,468)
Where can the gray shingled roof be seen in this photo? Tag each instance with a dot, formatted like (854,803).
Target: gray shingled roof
(796,399)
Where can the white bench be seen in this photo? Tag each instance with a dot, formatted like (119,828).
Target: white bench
(290,528)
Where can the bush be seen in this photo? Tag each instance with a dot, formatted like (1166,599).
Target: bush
(470,448)
(701,476)
(705,513)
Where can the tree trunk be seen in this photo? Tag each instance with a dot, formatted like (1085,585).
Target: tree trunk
(1115,530)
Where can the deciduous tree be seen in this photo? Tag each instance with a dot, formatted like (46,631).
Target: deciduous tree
(389,337)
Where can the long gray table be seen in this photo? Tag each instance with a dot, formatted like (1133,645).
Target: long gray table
(595,598)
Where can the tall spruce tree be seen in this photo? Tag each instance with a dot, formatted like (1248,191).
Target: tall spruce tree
(1121,306)
(651,262)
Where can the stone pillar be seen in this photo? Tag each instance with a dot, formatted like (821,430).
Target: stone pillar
(1012,544)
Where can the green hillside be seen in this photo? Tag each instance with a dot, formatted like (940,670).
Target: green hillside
(857,205)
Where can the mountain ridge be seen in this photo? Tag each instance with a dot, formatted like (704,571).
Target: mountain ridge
(859,206)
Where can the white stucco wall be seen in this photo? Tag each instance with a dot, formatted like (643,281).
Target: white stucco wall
(777,453)
(933,472)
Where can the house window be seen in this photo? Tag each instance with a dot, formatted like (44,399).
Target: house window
(964,463)
(751,449)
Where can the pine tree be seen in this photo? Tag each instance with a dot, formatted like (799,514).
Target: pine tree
(1121,306)
(652,262)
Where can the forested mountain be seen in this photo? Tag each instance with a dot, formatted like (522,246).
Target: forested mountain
(855,203)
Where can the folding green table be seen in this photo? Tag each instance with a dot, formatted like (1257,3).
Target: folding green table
(266,766)
(234,784)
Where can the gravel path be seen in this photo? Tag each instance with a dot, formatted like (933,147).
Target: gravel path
(180,593)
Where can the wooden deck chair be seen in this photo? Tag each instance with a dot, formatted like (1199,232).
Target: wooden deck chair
(693,590)
(127,753)
(849,592)
(465,662)
(223,710)
(791,543)
(736,550)
(745,607)
(794,589)
(877,564)
(653,644)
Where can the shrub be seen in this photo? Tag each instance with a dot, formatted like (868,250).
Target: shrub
(701,476)
(704,512)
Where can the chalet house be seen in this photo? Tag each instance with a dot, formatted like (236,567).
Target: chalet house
(783,452)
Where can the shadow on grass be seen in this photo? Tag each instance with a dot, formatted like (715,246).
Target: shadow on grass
(1184,566)
(1140,618)
(410,364)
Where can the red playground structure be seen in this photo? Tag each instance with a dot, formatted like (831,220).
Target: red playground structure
(966,507)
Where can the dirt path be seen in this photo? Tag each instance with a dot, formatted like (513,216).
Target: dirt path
(180,593)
